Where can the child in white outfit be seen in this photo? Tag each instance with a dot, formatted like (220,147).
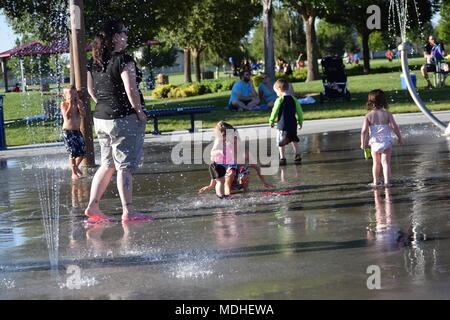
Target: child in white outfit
(378,123)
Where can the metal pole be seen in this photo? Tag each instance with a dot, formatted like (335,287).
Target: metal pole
(403,48)
(5,73)
(2,126)
(72,77)
(58,74)
(80,75)
(24,81)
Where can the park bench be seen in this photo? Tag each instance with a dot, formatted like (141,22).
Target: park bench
(182,111)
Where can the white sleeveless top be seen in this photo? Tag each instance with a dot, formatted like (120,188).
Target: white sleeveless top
(380,137)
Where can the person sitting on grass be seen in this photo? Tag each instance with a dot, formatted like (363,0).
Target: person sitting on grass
(433,51)
(243,94)
(72,110)
(266,91)
(284,111)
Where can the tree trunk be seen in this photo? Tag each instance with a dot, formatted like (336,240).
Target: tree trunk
(366,52)
(311,48)
(196,55)
(269,52)
(72,68)
(80,74)
(187,65)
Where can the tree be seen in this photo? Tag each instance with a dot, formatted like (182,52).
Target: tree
(211,24)
(354,13)
(310,10)
(269,51)
(418,36)
(335,39)
(443,29)
(45,17)
(158,56)
(288,35)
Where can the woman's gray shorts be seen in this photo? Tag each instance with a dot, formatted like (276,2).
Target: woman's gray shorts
(121,141)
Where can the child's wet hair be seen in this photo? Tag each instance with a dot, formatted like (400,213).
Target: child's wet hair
(377,100)
(282,85)
(222,127)
(69,88)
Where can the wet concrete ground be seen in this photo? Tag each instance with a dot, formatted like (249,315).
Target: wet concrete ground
(315,244)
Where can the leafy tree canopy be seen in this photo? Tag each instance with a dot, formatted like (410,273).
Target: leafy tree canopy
(289,36)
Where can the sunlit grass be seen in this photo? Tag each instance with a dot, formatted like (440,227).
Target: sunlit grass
(18,106)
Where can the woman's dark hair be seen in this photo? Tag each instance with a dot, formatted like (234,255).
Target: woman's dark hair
(377,100)
(103,44)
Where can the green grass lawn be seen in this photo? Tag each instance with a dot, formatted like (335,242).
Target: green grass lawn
(359,86)
(18,106)
(385,63)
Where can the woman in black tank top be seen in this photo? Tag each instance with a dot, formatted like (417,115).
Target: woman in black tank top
(118,118)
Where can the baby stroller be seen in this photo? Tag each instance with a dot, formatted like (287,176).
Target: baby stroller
(334,80)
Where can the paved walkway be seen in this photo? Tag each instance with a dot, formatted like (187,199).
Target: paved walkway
(251,131)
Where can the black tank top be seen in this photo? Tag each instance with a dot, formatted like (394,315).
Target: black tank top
(112,99)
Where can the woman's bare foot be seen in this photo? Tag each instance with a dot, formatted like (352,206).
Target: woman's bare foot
(131,215)
(94,212)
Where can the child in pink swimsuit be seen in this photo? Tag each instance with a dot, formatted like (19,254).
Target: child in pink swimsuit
(228,171)
(378,123)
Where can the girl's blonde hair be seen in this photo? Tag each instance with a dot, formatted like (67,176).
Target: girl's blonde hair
(377,100)
(282,85)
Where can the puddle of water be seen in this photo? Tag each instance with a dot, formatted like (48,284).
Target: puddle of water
(314,243)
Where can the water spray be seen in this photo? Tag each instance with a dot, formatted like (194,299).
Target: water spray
(401,7)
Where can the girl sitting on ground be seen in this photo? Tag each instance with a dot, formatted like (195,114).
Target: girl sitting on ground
(378,123)
(226,172)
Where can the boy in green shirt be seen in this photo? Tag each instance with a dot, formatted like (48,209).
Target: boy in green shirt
(283,112)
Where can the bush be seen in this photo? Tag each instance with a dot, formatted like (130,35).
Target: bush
(227,85)
(192,89)
(176,92)
(257,80)
(213,86)
(300,74)
(162,91)
(183,91)
(281,75)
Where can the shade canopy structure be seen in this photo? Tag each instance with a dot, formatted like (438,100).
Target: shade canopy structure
(35,48)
